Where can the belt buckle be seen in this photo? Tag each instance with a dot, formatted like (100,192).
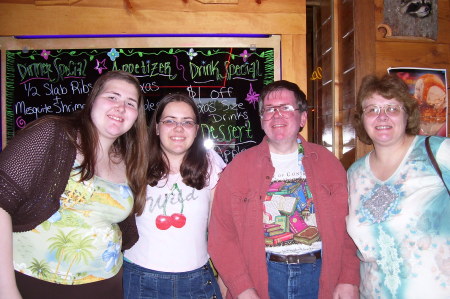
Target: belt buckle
(307,258)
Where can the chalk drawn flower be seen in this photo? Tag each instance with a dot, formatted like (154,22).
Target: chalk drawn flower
(192,53)
(245,55)
(100,66)
(113,54)
(45,54)
(252,96)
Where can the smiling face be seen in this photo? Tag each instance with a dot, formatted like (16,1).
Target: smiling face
(176,141)
(384,130)
(115,109)
(282,130)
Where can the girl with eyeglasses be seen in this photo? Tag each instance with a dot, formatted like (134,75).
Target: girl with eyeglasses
(170,260)
(399,206)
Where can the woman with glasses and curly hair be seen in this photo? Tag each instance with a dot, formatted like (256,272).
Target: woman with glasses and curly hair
(399,206)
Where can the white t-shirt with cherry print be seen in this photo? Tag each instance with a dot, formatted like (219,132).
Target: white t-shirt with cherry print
(173,227)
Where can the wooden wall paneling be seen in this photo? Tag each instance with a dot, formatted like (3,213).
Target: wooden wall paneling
(349,139)
(337,77)
(348,131)
(411,54)
(348,89)
(364,34)
(347,83)
(312,74)
(326,35)
(327,66)
(346,15)
(319,128)
(318,107)
(348,51)
(156,17)
(325,11)
(294,6)
(444,22)
(17,1)
(327,132)
(324,59)
(326,137)
(316,43)
(326,101)
(293,53)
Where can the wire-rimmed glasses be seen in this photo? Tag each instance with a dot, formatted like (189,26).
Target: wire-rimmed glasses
(284,110)
(389,109)
(187,124)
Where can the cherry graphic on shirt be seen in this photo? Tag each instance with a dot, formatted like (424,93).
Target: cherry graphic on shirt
(163,222)
(178,220)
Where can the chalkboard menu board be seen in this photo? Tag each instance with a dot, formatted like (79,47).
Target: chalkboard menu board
(224,82)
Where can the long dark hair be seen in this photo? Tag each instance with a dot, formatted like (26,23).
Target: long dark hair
(132,146)
(195,164)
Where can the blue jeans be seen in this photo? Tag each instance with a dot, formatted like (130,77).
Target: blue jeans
(289,281)
(143,283)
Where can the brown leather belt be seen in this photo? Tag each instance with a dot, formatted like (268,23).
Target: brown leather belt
(307,258)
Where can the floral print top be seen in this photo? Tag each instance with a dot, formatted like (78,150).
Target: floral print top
(401,226)
(81,242)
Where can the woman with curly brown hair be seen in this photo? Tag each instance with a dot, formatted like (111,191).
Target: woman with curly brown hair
(399,206)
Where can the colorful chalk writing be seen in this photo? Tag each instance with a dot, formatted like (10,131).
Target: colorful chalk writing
(224,82)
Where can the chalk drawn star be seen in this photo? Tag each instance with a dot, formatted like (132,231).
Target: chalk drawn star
(100,66)
(192,53)
(45,54)
(113,54)
(252,96)
(245,55)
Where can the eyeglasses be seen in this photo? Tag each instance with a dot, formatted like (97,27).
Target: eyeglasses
(170,123)
(284,110)
(390,110)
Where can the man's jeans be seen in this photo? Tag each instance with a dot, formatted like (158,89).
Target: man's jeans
(294,281)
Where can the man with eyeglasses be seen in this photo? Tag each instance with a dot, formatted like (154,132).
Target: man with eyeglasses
(277,227)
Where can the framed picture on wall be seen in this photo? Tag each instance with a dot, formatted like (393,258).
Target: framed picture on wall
(429,87)
(411,18)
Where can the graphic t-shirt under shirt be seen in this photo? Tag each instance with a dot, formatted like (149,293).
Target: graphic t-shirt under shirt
(289,218)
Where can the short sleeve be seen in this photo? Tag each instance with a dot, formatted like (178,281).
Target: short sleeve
(216,166)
